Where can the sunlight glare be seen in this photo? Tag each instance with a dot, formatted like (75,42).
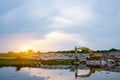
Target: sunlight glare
(25,48)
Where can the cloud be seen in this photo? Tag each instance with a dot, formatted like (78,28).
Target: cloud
(60,22)
(29,10)
(71,15)
(68,18)
(58,15)
(56,40)
(52,41)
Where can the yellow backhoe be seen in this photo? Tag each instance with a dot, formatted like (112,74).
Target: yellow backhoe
(90,52)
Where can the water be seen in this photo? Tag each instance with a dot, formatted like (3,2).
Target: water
(54,73)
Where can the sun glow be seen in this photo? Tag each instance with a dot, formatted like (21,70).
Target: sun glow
(25,48)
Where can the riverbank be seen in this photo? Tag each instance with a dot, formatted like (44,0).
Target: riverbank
(115,55)
(56,59)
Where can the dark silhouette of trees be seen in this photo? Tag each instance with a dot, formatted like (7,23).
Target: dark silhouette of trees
(113,49)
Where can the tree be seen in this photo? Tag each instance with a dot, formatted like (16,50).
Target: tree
(30,51)
(113,49)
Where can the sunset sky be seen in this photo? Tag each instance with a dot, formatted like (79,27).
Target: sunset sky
(51,25)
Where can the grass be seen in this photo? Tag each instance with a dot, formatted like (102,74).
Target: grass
(26,62)
(58,62)
(15,62)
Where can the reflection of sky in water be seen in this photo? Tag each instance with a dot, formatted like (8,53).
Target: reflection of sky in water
(10,73)
(50,74)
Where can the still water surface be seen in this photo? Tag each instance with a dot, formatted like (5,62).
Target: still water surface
(26,73)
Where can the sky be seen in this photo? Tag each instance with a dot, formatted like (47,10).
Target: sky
(51,25)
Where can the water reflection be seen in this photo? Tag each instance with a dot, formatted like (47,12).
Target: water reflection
(91,71)
(59,72)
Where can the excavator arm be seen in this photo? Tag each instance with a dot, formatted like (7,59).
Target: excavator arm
(90,52)
(87,49)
